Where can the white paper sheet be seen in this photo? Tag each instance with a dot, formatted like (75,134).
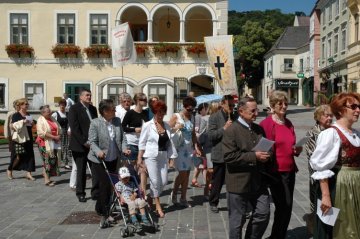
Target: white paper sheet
(264,145)
(331,215)
(302,141)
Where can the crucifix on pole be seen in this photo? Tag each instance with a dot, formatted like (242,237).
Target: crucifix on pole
(219,65)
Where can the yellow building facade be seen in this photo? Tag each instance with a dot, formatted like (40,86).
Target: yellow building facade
(353,57)
(43,77)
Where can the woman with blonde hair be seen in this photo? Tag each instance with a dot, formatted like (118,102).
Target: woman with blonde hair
(48,140)
(280,129)
(22,155)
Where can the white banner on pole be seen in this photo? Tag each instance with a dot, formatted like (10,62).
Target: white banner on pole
(220,54)
(123,48)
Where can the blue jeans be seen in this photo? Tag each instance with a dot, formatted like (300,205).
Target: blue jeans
(134,152)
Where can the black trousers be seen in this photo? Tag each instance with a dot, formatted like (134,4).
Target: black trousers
(102,205)
(81,160)
(217,182)
(282,192)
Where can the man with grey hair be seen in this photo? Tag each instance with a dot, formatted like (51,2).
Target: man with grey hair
(124,105)
(245,173)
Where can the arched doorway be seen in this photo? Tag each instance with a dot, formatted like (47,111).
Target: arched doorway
(202,85)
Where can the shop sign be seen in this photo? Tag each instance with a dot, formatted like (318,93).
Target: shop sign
(287,84)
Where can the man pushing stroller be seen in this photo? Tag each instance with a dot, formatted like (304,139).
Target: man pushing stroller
(129,192)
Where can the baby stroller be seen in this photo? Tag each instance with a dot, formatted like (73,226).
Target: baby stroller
(128,229)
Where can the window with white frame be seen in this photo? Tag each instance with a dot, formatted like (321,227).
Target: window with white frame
(343,5)
(356,32)
(98,29)
(157,89)
(343,37)
(329,52)
(34,92)
(330,12)
(323,48)
(301,65)
(337,7)
(2,95)
(66,28)
(336,44)
(114,91)
(19,28)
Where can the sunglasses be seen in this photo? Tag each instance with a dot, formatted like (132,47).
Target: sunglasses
(254,110)
(353,106)
(142,99)
(231,105)
(190,110)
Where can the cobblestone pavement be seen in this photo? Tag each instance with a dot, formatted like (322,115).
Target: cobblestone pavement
(32,210)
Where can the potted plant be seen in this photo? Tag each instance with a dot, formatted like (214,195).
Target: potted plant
(19,50)
(141,48)
(65,50)
(98,51)
(196,48)
(166,47)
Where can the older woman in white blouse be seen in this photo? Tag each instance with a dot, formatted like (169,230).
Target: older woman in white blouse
(336,161)
(156,147)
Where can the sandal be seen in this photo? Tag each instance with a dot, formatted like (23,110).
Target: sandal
(50,184)
(195,184)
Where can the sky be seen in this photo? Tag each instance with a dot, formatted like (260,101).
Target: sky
(286,6)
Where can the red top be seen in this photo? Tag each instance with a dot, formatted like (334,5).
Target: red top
(284,142)
(285,138)
(53,127)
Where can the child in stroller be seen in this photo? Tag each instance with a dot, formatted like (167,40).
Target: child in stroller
(129,192)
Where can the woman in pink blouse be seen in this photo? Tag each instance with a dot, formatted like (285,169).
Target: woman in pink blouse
(279,129)
(48,140)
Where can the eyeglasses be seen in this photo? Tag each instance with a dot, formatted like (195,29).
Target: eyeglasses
(26,104)
(254,110)
(142,99)
(126,101)
(353,106)
(189,109)
(231,105)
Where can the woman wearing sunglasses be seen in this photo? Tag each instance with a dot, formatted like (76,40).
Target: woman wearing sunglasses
(185,122)
(336,163)
(283,168)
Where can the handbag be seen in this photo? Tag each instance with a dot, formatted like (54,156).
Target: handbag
(177,138)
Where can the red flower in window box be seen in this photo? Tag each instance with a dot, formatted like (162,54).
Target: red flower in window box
(141,48)
(19,50)
(166,47)
(196,48)
(98,51)
(66,50)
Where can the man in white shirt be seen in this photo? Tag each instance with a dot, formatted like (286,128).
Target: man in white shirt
(69,102)
(124,105)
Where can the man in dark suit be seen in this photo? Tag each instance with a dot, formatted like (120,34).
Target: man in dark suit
(218,122)
(80,115)
(244,177)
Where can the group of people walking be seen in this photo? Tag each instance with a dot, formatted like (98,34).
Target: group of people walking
(218,142)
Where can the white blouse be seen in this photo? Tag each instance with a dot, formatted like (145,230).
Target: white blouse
(327,148)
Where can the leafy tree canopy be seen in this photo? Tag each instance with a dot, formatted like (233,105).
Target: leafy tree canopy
(255,32)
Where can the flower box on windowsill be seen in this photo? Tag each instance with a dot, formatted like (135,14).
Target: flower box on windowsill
(141,49)
(196,48)
(98,51)
(19,51)
(66,51)
(166,47)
